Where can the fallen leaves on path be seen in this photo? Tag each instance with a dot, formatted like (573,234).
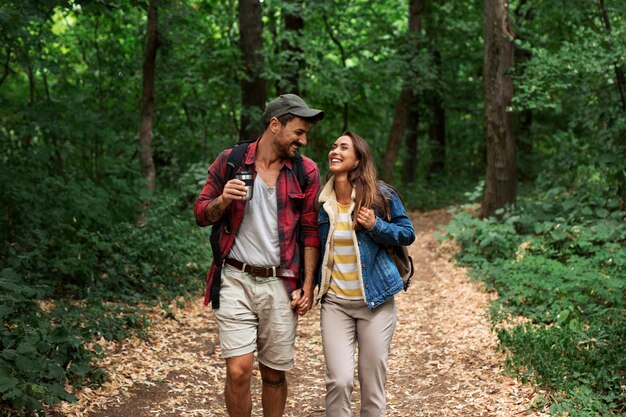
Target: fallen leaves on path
(443,359)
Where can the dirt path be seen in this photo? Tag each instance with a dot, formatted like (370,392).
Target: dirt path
(443,359)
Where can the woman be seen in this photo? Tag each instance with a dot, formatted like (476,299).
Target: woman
(358,219)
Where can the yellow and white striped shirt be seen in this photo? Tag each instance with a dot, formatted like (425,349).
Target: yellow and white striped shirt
(344,282)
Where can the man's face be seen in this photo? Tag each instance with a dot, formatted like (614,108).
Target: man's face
(290,137)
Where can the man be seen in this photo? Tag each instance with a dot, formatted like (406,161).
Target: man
(258,299)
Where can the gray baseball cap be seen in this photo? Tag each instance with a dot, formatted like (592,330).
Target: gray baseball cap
(291,103)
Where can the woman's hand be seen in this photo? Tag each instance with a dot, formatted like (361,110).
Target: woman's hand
(302,299)
(366,218)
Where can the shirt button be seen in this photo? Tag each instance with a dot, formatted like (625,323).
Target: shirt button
(371,302)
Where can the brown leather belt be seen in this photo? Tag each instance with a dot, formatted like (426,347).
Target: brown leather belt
(261,271)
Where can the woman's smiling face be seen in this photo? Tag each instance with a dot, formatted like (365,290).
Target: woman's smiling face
(342,156)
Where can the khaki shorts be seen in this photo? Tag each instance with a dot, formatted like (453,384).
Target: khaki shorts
(255,315)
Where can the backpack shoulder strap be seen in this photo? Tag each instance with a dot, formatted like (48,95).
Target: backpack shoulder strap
(298,170)
(235,158)
(234,161)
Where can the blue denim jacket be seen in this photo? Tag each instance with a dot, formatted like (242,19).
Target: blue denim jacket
(379,277)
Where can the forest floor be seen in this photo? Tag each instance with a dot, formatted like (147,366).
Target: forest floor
(443,359)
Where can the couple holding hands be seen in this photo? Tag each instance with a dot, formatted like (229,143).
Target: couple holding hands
(346,224)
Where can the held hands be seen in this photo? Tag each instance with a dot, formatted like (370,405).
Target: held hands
(302,299)
(366,218)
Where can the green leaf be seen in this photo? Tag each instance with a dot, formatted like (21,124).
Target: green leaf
(55,371)
(8,383)
(9,354)
(80,368)
(60,392)
(6,311)
(25,348)
(25,364)
(13,394)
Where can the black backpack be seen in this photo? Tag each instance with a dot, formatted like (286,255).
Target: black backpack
(234,161)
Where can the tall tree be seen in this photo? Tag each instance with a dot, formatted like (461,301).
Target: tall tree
(619,71)
(407,103)
(500,183)
(290,45)
(437,126)
(523,15)
(409,166)
(344,58)
(253,89)
(147,104)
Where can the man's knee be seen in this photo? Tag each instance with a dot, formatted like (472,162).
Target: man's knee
(272,378)
(274,382)
(238,372)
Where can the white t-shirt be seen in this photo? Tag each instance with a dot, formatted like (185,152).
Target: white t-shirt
(257,242)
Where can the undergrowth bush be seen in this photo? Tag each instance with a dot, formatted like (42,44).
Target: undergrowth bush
(558,261)
(439,191)
(79,253)
(39,353)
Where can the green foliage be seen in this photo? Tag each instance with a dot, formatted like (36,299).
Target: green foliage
(70,88)
(83,239)
(39,353)
(557,259)
(78,249)
(586,362)
(488,240)
(438,192)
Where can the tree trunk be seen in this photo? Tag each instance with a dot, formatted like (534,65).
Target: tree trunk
(344,58)
(294,62)
(500,184)
(409,169)
(437,127)
(619,72)
(7,69)
(253,90)
(147,106)
(396,134)
(405,103)
(31,80)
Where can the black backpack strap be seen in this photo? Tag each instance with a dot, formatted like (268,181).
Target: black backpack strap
(298,170)
(216,281)
(235,159)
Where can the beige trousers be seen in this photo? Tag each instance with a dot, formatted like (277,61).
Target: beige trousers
(345,325)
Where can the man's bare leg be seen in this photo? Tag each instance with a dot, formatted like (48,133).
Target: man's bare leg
(237,391)
(274,391)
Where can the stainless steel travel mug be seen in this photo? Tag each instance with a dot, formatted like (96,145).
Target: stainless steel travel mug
(248,178)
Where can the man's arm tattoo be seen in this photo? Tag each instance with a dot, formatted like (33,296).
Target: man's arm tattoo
(214,210)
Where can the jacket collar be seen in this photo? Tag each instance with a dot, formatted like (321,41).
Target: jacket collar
(328,191)
(327,195)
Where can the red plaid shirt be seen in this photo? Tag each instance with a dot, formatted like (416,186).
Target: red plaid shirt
(288,195)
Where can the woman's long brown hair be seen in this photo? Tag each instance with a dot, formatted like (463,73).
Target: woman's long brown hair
(364,178)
